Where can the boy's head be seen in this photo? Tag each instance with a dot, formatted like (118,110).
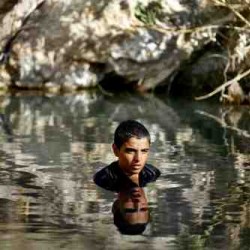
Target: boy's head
(131,146)
(129,129)
(131,214)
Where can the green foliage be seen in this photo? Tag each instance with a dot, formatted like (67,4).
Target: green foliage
(148,14)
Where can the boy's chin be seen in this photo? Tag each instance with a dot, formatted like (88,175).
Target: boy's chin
(134,172)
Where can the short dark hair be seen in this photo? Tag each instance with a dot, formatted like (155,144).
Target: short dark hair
(128,129)
(125,228)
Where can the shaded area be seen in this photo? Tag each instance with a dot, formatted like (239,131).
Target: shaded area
(190,48)
(6,6)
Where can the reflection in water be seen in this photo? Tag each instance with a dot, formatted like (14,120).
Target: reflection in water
(130,210)
(5,125)
(53,145)
(127,175)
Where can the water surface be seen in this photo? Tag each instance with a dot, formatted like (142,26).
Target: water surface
(51,147)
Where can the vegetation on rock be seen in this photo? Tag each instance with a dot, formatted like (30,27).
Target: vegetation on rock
(147,43)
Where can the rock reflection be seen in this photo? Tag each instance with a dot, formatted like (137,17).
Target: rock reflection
(58,143)
(5,126)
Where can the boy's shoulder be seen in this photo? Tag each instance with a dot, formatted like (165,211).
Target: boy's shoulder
(150,167)
(112,177)
(149,173)
(108,176)
(111,170)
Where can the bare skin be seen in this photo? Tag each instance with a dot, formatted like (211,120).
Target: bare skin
(134,206)
(132,156)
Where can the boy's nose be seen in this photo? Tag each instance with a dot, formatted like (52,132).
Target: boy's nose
(137,156)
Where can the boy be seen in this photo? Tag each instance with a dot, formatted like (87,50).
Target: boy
(130,211)
(131,147)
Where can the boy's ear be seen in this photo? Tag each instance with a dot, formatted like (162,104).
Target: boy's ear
(115,150)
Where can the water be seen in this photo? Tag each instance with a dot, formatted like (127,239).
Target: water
(51,147)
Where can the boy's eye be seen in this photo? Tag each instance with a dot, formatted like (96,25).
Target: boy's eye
(145,150)
(129,150)
(130,210)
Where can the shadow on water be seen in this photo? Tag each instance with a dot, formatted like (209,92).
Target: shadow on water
(51,147)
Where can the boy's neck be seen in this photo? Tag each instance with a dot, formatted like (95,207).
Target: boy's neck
(134,178)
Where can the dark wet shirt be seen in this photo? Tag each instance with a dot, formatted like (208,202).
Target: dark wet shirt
(113,178)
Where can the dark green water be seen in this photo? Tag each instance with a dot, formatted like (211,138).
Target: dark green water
(50,147)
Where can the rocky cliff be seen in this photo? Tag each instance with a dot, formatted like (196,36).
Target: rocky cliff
(74,44)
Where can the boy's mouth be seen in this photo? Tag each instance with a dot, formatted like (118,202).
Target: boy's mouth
(136,165)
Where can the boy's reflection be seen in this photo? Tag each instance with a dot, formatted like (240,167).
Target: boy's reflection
(128,175)
(130,211)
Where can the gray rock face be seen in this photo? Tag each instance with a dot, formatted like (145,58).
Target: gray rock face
(72,44)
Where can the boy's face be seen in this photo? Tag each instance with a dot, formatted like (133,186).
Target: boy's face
(132,155)
(134,206)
